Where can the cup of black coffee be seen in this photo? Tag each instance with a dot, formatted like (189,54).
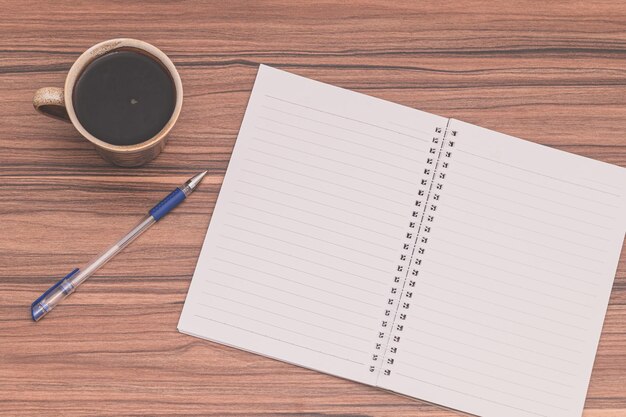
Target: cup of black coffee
(122,95)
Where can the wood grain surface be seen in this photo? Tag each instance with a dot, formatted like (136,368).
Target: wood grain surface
(550,72)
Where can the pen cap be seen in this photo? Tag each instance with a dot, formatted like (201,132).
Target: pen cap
(52,297)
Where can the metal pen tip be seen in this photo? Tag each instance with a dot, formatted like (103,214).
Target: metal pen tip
(193,182)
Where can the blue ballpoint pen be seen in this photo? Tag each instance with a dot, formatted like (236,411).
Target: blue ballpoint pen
(59,291)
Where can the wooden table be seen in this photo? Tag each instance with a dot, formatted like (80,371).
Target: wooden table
(552,72)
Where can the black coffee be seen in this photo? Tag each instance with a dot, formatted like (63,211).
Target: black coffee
(124,98)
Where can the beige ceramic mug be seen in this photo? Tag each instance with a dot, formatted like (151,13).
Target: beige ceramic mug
(57,103)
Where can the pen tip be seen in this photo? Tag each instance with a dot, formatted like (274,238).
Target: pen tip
(196,179)
(201,175)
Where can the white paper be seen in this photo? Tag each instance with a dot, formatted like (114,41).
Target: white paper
(513,288)
(303,242)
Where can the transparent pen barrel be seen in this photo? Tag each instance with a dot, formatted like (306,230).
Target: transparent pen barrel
(105,256)
(68,285)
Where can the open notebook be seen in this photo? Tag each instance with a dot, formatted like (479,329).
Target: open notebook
(419,254)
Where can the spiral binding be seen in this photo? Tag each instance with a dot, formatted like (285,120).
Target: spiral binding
(413,250)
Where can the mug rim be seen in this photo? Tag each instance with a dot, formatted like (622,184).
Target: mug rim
(104,48)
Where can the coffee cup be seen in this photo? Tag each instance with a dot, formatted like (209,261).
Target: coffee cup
(122,95)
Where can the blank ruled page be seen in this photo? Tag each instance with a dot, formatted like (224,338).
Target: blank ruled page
(512,289)
(303,243)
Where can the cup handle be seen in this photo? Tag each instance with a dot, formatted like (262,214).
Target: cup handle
(50,101)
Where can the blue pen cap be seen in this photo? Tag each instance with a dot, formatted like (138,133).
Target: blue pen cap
(37,312)
(49,299)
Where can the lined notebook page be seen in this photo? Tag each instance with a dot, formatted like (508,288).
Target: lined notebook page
(304,240)
(514,283)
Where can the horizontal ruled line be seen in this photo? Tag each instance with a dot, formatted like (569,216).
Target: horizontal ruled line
(277,339)
(292,281)
(500,210)
(302,259)
(295,184)
(482,228)
(356,131)
(470,395)
(319,339)
(492,328)
(293,269)
(352,213)
(239,290)
(410,128)
(319,145)
(491,339)
(515,261)
(537,173)
(487,386)
(343,174)
(533,184)
(491,219)
(500,293)
(377,196)
(493,352)
(256,138)
(305,235)
(542,198)
(550,331)
(560,215)
(341,116)
(496,365)
(563,287)
(343,139)
(282,216)
(288,292)
(221,297)
(305,247)
(517,250)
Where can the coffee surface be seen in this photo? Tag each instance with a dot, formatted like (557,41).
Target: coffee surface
(124,98)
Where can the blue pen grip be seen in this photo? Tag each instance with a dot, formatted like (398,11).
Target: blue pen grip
(167,204)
